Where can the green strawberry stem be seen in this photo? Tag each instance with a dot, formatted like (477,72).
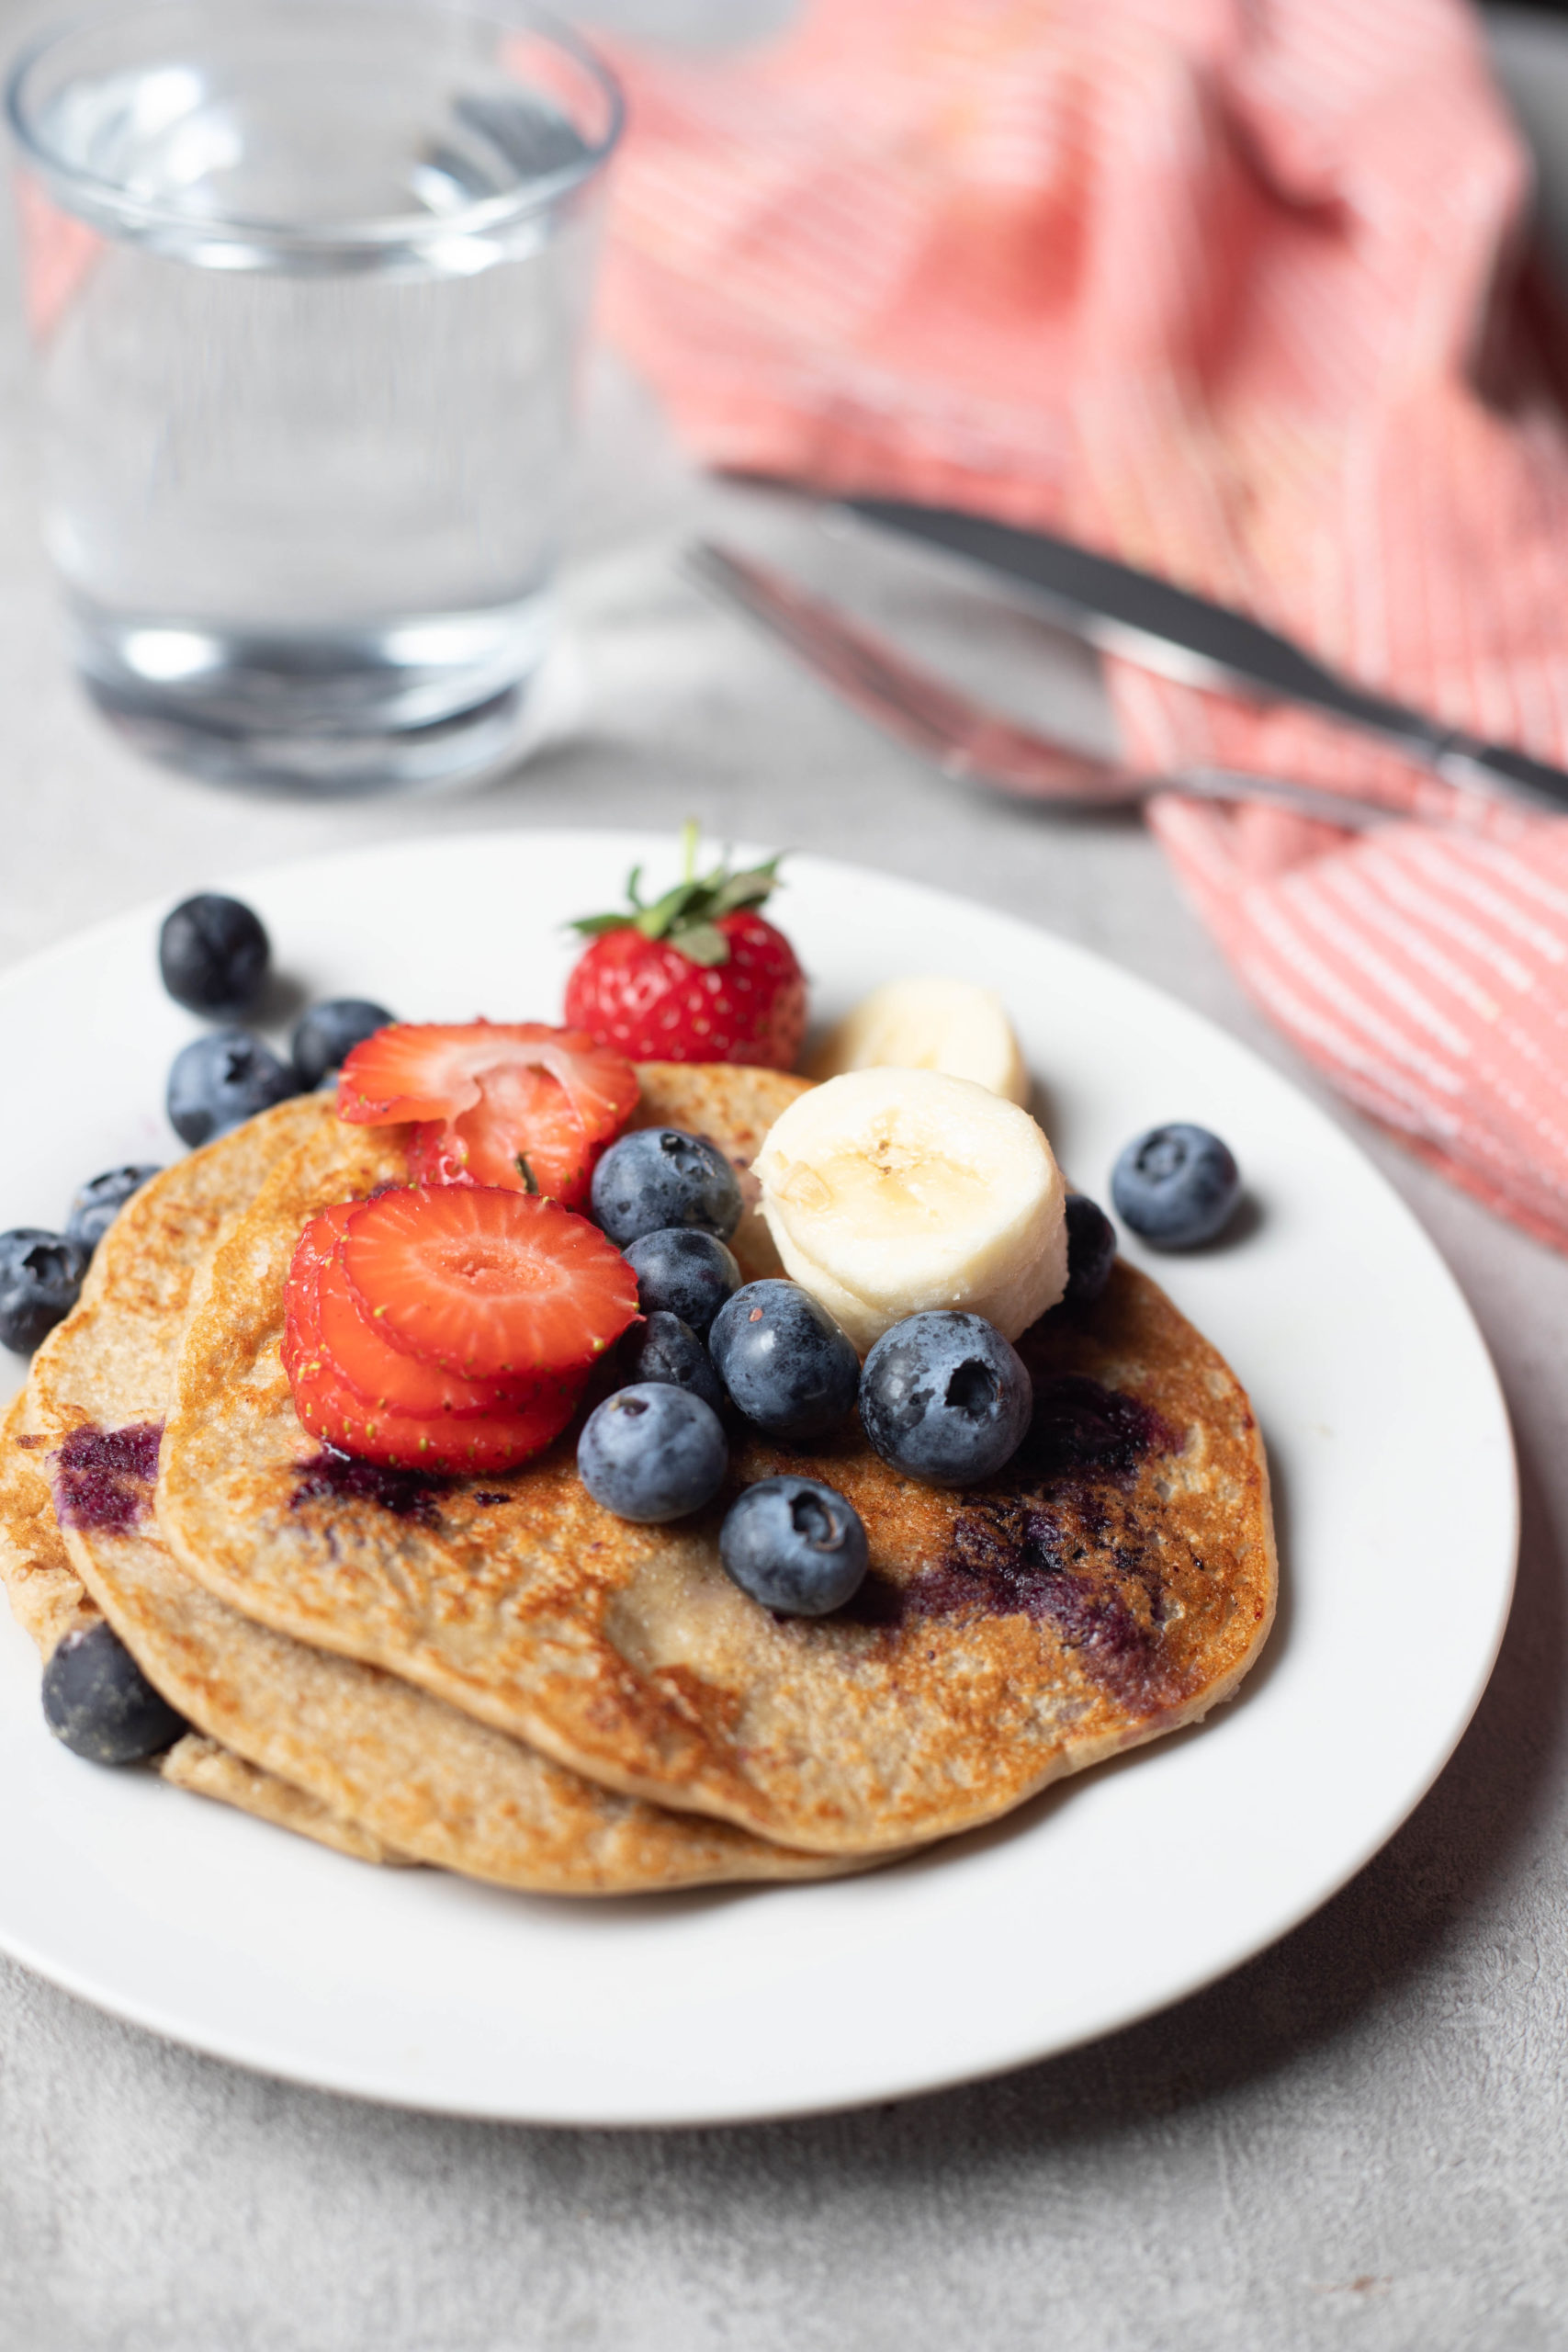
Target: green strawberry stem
(688,916)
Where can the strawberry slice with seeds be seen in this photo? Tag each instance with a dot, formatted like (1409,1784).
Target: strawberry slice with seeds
(366,1359)
(521,1136)
(336,1414)
(301,1312)
(499,1436)
(494,1284)
(435,1069)
(515,1105)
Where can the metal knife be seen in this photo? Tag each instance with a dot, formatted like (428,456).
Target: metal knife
(1200,643)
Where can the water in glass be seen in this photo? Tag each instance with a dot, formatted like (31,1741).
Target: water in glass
(305,489)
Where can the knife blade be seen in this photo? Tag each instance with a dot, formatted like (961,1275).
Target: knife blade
(1200,643)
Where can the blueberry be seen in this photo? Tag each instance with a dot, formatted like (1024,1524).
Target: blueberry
(41,1274)
(945,1398)
(99,1202)
(659,1177)
(217,1080)
(793,1544)
(97,1702)
(1176,1186)
(667,1349)
(329,1032)
(213,954)
(684,1273)
(652,1452)
(1092,1251)
(784,1361)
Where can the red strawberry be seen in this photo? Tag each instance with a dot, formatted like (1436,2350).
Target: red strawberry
(520,1137)
(493,1284)
(516,1105)
(464,1428)
(332,1411)
(697,976)
(365,1358)
(301,1316)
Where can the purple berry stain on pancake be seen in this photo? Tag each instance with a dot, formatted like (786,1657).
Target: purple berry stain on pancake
(1057,1540)
(332,1477)
(104,1479)
(1079,1426)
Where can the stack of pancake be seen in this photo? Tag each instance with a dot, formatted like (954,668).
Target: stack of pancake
(495,1675)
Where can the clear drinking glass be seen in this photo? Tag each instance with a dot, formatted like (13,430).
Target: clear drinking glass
(308,280)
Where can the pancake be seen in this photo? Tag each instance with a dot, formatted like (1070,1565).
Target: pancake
(48,1600)
(399,1772)
(209,1770)
(1113,1583)
(47,1596)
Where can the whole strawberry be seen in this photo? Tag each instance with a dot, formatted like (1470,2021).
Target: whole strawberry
(700,975)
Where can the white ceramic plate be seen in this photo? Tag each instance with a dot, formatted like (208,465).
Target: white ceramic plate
(1102,1901)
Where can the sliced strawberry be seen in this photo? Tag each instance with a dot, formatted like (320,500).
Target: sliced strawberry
(491,1436)
(522,1107)
(366,1359)
(330,1410)
(522,1136)
(301,1310)
(493,1284)
(518,1105)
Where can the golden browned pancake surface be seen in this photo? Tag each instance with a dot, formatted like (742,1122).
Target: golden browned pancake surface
(1114,1582)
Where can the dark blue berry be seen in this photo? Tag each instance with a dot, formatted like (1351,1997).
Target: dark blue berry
(667,1349)
(1092,1251)
(41,1274)
(1176,1186)
(784,1361)
(328,1033)
(683,1272)
(213,954)
(99,1704)
(652,1452)
(793,1544)
(101,1201)
(660,1177)
(218,1080)
(945,1398)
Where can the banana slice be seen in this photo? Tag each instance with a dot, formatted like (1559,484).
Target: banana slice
(929,1024)
(890,1191)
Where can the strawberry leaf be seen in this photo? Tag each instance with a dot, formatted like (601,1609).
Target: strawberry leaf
(701,943)
(665,917)
(688,915)
(736,890)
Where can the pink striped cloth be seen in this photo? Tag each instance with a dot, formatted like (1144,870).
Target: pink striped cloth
(1228,288)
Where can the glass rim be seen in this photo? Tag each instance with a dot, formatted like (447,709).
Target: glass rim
(109,200)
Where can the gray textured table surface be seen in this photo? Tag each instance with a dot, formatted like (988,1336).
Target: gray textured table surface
(1359,2139)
